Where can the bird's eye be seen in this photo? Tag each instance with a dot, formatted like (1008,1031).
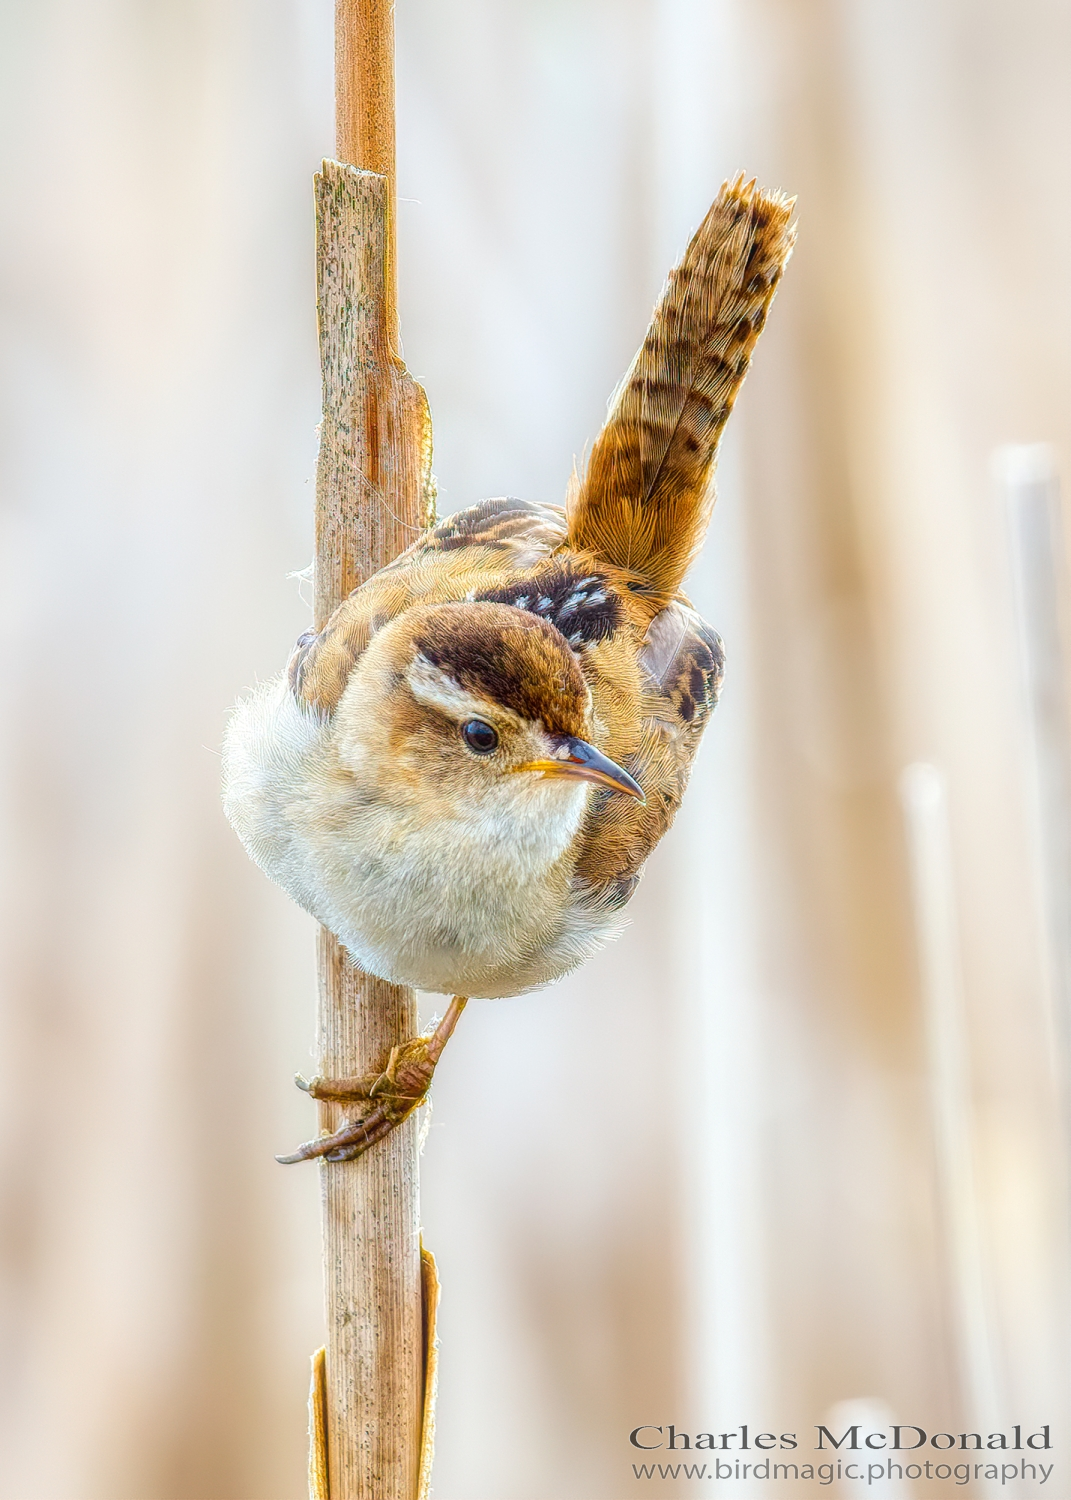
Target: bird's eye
(479,736)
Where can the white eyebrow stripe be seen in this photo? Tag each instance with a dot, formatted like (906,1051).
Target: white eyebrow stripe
(438,689)
(432,685)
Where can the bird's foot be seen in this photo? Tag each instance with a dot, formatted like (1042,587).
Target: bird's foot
(391,1096)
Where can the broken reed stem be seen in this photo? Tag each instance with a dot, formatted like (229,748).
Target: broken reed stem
(372,500)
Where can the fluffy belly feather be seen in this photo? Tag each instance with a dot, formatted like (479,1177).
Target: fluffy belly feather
(478,915)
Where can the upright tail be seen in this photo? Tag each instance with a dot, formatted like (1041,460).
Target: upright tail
(646,499)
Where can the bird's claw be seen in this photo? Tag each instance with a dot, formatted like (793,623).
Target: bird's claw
(387,1077)
(392,1095)
(351,1141)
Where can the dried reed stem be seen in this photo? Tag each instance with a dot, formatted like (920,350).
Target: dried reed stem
(364,110)
(372,490)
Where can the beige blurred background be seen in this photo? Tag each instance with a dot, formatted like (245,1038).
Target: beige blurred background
(826,1162)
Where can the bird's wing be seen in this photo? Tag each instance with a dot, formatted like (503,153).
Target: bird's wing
(524,531)
(681,665)
(473,553)
(646,499)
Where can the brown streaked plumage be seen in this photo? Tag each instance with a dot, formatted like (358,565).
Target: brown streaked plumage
(442,779)
(645,501)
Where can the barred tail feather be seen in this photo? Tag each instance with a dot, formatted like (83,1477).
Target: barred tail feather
(646,499)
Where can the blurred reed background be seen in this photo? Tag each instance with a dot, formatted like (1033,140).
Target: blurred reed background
(798,1139)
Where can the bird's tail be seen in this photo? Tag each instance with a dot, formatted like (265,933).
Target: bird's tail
(646,499)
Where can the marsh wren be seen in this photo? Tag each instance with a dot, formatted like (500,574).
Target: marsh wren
(462,774)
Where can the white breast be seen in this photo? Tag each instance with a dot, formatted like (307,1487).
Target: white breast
(478,904)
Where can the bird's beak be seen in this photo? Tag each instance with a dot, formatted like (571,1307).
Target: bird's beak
(577,758)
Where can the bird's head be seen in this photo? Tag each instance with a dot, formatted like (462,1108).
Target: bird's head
(474,705)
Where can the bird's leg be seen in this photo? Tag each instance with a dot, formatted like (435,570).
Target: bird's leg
(392,1094)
